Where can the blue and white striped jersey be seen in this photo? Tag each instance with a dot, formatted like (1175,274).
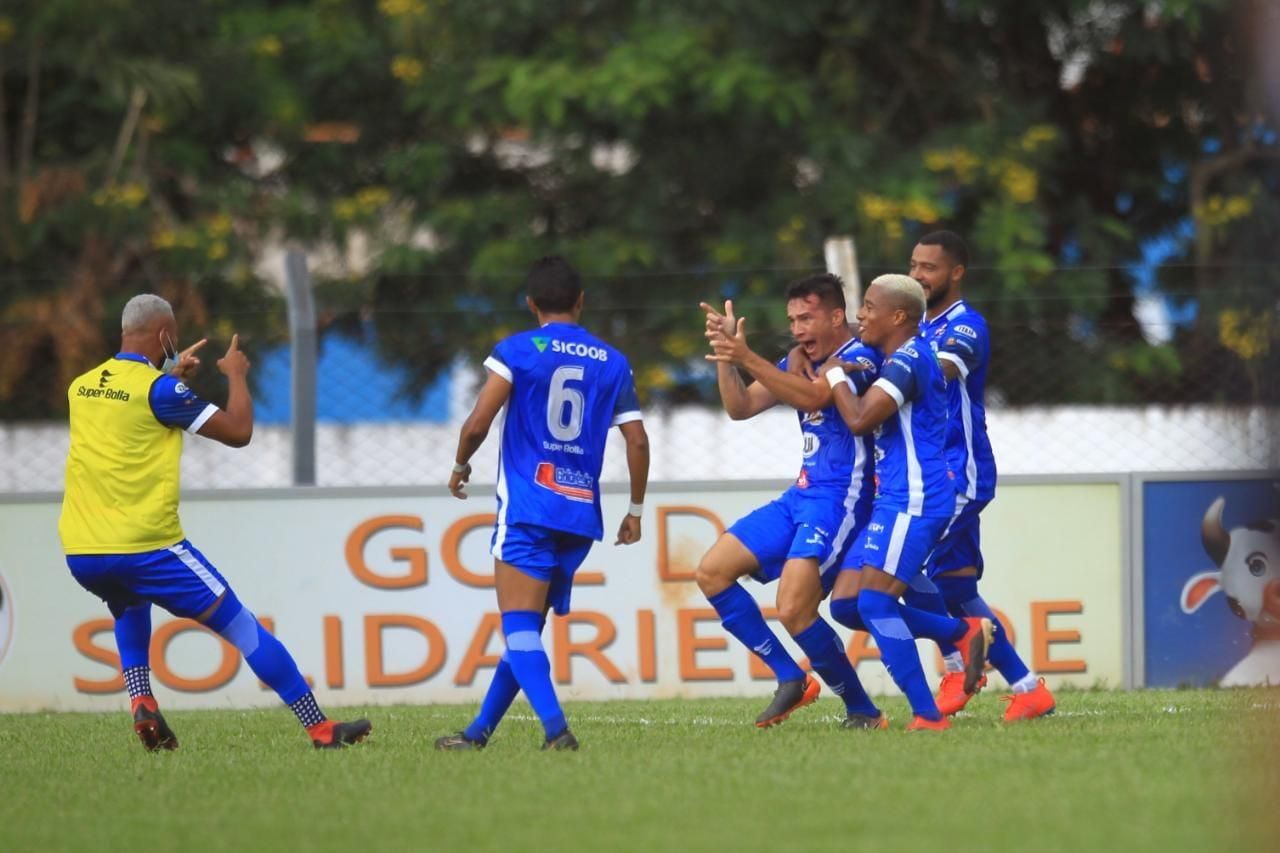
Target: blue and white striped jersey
(910,446)
(567,389)
(960,335)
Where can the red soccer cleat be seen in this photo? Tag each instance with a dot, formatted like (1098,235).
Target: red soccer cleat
(332,734)
(1030,705)
(974,646)
(951,696)
(921,724)
(150,726)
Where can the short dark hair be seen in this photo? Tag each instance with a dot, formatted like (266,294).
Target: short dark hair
(553,285)
(953,245)
(829,289)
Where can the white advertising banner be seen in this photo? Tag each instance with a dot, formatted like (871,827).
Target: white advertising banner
(386,597)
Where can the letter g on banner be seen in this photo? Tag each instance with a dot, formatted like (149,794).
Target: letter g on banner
(416,558)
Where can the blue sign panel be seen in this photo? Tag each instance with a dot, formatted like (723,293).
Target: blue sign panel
(1211,576)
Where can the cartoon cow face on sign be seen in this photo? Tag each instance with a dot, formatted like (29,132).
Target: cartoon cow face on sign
(1248,560)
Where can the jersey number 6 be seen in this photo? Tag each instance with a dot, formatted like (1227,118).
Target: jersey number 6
(564,404)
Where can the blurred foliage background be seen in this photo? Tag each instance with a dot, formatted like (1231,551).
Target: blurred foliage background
(1094,153)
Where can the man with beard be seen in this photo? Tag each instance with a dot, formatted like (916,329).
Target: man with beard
(959,336)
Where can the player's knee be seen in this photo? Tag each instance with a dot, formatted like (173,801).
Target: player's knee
(957,590)
(845,611)
(796,615)
(712,575)
(236,624)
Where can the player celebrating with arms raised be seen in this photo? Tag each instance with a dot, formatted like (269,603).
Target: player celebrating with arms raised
(958,334)
(800,538)
(560,391)
(119,524)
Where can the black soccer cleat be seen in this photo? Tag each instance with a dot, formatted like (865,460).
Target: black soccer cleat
(862,721)
(335,735)
(789,697)
(152,729)
(459,742)
(564,740)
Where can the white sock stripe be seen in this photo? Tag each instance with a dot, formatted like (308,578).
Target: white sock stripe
(893,628)
(524,641)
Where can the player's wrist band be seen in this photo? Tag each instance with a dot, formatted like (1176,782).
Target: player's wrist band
(636,509)
(461,467)
(835,376)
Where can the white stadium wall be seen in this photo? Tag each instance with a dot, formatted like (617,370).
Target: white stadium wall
(384,596)
(697,443)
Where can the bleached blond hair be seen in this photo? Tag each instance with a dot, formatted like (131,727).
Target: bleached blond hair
(904,292)
(142,311)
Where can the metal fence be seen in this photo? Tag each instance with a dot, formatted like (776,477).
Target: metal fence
(1085,377)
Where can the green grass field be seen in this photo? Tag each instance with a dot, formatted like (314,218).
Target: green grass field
(1156,770)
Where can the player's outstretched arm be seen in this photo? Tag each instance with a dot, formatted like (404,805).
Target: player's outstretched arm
(789,388)
(233,426)
(861,414)
(637,440)
(741,401)
(493,396)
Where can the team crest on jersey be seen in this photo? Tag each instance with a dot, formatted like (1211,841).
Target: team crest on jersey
(802,482)
(811,444)
(813,419)
(566,482)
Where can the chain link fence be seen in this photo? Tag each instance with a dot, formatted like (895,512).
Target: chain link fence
(1085,377)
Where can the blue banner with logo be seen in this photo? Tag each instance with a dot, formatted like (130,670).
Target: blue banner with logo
(1211,577)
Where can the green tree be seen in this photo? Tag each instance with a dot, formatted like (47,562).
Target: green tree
(431,148)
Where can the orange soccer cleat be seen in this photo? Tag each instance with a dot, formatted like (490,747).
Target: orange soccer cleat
(973,647)
(951,696)
(1029,705)
(922,724)
(790,696)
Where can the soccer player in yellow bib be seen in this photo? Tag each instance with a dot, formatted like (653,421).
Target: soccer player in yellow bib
(119,524)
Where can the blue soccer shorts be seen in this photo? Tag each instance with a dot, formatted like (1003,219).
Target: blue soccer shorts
(178,578)
(800,525)
(961,547)
(543,554)
(897,543)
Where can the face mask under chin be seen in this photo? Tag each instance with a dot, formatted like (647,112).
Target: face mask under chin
(170,355)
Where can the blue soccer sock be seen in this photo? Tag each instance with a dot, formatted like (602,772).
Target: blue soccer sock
(931,601)
(961,594)
(897,650)
(497,699)
(532,669)
(931,626)
(845,611)
(741,617)
(133,640)
(828,658)
(266,656)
